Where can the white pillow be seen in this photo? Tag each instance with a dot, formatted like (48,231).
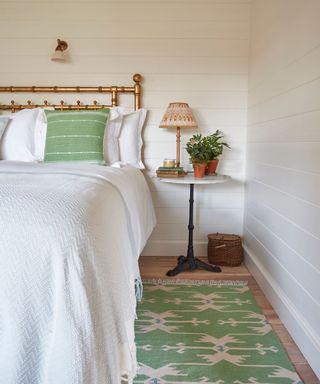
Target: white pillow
(128,137)
(41,133)
(18,142)
(111,136)
(3,123)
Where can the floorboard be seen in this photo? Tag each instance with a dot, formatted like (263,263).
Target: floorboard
(155,267)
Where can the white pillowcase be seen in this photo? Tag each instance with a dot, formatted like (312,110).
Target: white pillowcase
(3,123)
(123,142)
(41,133)
(18,142)
(111,135)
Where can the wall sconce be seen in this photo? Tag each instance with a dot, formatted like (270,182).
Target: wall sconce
(59,54)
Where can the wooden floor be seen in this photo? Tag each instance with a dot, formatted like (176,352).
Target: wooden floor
(156,267)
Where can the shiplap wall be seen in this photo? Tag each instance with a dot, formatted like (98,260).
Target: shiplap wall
(187,50)
(282,210)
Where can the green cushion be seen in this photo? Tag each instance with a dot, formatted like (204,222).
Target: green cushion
(75,135)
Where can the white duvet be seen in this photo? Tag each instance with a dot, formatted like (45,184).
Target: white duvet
(70,237)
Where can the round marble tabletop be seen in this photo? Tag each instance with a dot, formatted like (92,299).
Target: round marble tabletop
(190,179)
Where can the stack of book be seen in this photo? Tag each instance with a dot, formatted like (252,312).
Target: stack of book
(170,172)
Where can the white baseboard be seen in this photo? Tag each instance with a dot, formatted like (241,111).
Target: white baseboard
(304,336)
(173,248)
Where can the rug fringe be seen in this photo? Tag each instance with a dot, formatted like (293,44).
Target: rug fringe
(240,283)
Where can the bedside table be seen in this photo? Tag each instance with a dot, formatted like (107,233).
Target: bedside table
(190,262)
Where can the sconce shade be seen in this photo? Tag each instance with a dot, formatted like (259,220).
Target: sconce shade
(178,115)
(59,54)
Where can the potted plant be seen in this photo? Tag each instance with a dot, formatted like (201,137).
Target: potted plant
(199,152)
(215,148)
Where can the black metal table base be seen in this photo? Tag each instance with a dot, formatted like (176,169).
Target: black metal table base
(190,262)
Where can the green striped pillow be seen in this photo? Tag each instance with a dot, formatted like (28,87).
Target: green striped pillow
(75,135)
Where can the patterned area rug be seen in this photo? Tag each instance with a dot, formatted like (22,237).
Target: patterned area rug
(195,333)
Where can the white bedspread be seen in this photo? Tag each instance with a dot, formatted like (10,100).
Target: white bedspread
(70,237)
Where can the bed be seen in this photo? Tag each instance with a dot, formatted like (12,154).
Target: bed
(71,236)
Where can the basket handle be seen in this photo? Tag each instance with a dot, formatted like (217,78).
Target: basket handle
(220,246)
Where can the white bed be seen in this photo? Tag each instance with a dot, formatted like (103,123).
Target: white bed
(70,240)
(70,236)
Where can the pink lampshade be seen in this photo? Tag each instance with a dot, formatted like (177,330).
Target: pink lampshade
(178,115)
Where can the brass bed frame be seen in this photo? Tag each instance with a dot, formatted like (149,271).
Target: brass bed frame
(114,92)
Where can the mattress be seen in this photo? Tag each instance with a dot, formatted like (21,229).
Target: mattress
(70,240)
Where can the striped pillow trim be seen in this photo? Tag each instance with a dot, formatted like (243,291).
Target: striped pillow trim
(75,135)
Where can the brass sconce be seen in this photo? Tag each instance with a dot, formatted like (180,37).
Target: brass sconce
(59,54)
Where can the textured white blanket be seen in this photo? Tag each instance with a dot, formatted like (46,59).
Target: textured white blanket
(70,237)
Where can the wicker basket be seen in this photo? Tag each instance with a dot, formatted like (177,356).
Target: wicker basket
(225,249)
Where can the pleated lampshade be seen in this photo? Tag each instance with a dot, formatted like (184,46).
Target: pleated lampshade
(178,115)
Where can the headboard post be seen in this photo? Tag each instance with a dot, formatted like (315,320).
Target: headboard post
(137,78)
(114,98)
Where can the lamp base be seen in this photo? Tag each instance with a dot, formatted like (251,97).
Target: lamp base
(178,141)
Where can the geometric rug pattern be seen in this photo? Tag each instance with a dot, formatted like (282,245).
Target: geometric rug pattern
(206,332)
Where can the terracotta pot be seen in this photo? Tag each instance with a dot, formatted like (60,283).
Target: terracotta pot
(212,167)
(199,170)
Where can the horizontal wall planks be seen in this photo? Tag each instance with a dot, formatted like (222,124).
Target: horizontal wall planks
(179,232)
(282,220)
(237,152)
(285,155)
(304,304)
(113,64)
(304,243)
(299,36)
(129,46)
(153,81)
(203,216)
(297,267)
(299,211)
(299,184)
(288,129)
(99,2)
(125,11)
(120,29)
(305,98)
(288,77)
(206,199)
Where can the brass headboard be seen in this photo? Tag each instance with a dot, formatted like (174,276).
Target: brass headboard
(114,91)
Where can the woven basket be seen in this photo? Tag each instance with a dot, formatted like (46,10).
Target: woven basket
(225,249)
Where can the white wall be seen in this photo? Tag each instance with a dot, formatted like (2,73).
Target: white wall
(187,50)
(282,211)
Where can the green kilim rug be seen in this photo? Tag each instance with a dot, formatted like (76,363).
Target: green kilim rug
(195,332)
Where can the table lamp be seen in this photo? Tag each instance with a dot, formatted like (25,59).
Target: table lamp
(178,115)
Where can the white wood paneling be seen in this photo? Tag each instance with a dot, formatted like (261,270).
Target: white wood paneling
(189,50)
(282,211)
(138,29)
(125,11)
